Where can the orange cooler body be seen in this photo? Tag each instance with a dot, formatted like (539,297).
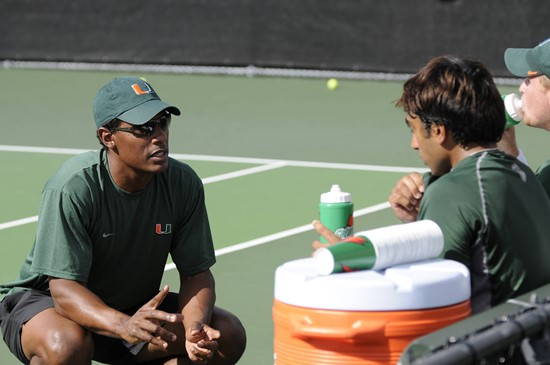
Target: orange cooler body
(311,329)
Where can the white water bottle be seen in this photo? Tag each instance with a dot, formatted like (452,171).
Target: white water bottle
(512,107)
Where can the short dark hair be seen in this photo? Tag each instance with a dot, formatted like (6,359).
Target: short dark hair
(459,94)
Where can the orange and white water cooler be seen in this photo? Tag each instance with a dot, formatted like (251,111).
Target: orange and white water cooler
(363,317)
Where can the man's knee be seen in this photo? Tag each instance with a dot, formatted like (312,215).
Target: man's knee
(239,336)
(233,340)
(68,345)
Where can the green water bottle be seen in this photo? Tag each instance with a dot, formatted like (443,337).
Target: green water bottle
(336,212)
(512,108)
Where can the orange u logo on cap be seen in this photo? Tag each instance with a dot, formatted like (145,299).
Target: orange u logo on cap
(139,91)
(532,73)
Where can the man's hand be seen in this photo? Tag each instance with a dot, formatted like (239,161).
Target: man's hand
(326,233)
(201,343)
(405,197)
(146,323)
(508,143)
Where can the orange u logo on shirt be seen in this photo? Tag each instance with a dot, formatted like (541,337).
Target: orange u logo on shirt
(167,229)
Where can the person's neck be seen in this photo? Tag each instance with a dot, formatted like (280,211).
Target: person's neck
(128,179)
(460,153)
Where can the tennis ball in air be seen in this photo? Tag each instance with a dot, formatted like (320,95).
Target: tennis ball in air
(332,84)
(143,78)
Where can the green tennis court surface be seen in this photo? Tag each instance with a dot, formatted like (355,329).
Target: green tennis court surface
(266,148)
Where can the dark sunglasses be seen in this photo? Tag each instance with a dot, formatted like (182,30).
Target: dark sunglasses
(148,129)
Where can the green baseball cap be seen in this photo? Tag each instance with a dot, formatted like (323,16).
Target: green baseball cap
(130,99)
(526,62)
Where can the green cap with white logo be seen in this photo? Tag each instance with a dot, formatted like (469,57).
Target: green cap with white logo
(130,99)
(527,62)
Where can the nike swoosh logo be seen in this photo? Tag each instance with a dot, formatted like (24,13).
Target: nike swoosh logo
(532,73)
(105,235)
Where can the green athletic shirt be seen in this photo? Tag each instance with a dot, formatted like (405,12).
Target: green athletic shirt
(543,174)
(116,242)
(495,218)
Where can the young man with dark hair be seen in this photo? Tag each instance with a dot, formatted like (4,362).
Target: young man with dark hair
(493,212)
(89,289)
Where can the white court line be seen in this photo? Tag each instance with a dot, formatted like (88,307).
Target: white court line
(239,173)
(208,180)
(283,234)
(261,161)
(18,222)
(60,151)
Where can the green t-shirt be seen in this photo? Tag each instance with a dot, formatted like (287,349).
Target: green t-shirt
(495,219)
(543,174)
(115,242)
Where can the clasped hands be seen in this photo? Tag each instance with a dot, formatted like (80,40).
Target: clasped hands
(147,324)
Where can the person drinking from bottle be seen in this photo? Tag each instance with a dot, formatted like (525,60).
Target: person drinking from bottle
(533,64)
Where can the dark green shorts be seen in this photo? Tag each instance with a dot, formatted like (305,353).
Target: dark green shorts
(17,309)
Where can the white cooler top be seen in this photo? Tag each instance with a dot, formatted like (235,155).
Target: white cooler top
(419,285)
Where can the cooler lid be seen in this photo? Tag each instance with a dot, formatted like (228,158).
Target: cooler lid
(419,285)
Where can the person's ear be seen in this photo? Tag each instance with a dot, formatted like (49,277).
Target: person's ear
(439,132)
(106,137)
